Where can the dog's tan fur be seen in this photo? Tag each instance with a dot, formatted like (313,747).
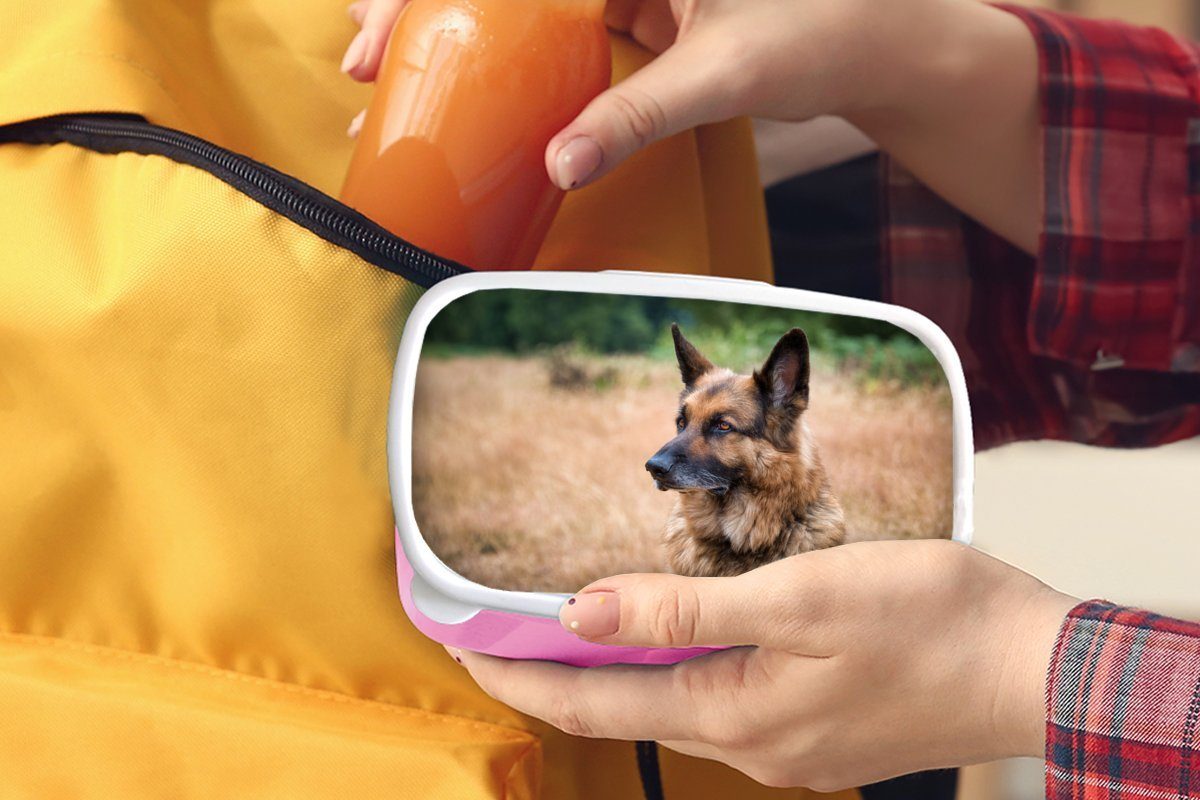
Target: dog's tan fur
(781,503)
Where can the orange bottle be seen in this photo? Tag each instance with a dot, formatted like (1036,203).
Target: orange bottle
(452,150)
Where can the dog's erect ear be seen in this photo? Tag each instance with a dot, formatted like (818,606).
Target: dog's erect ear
(691,364)
(783,380)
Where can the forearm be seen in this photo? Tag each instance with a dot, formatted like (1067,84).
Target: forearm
(952,94)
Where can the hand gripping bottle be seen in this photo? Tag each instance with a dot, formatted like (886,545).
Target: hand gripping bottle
(451,155)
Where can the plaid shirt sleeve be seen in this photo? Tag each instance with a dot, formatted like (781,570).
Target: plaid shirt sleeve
(1117,278)
(1097,339)
(1123,703)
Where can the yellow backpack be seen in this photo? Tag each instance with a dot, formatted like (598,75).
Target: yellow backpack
(197,593)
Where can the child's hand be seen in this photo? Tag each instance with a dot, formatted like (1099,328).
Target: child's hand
(866,661)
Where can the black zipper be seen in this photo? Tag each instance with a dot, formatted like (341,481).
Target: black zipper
(318,212)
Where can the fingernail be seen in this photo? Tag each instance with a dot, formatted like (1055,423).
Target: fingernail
(356,52)
(356,125)
(356,11)
(577,161)
(592,614)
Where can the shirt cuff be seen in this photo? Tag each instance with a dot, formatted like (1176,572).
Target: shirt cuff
(1120,126)
(1123,706)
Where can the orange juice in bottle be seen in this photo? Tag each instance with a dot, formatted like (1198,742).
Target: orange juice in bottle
(451,155)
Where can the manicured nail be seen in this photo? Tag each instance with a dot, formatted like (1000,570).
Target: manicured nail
(356,125)
(577,161)
(593,614)
(356,53)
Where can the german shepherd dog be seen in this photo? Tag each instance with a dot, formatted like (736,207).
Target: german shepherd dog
(751,486)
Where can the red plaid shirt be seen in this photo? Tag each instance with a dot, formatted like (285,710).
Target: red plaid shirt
(1095,340)
(1124,707)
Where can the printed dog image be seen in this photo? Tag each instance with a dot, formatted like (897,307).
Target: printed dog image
(562,437)
(752,488)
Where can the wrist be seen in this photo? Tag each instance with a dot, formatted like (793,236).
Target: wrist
(958,105)
(1019,713)
(881,61)
(927,61)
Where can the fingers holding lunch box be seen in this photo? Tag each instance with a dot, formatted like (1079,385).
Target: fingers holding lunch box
(655,700)
(656,610)
(905,649)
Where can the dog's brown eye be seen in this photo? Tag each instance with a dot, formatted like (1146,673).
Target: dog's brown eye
(680,423)
(724,427)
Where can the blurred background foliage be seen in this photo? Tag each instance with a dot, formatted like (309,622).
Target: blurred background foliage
(522,322)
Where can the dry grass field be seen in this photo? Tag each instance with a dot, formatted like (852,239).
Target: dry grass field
(521,485)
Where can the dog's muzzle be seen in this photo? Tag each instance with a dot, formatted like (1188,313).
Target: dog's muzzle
(671,473)
(659,466)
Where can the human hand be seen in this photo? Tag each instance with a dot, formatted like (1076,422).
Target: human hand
(852,664)
(948,88)
(717,59)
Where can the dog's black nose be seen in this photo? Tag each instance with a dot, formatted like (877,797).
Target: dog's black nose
(659,465)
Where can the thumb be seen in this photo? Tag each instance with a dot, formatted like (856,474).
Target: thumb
(680,89)
(670,611)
